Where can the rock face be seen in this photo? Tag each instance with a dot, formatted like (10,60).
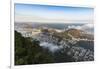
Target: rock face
(74,32)
(80,34)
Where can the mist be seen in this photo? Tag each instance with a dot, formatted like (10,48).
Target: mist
(51,47)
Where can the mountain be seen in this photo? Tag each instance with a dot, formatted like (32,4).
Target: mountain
(77,33)
(62,45)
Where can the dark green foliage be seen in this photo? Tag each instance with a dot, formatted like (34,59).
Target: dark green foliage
(28,51)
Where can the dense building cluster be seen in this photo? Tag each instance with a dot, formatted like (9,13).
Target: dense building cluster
(65,45)
(77,52)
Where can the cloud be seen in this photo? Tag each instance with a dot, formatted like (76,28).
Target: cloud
(89,28)
(50,46)
(25,18)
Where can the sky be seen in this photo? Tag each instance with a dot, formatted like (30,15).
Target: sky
(52,14)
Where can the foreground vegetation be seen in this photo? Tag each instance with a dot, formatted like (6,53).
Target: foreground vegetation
(28,51)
